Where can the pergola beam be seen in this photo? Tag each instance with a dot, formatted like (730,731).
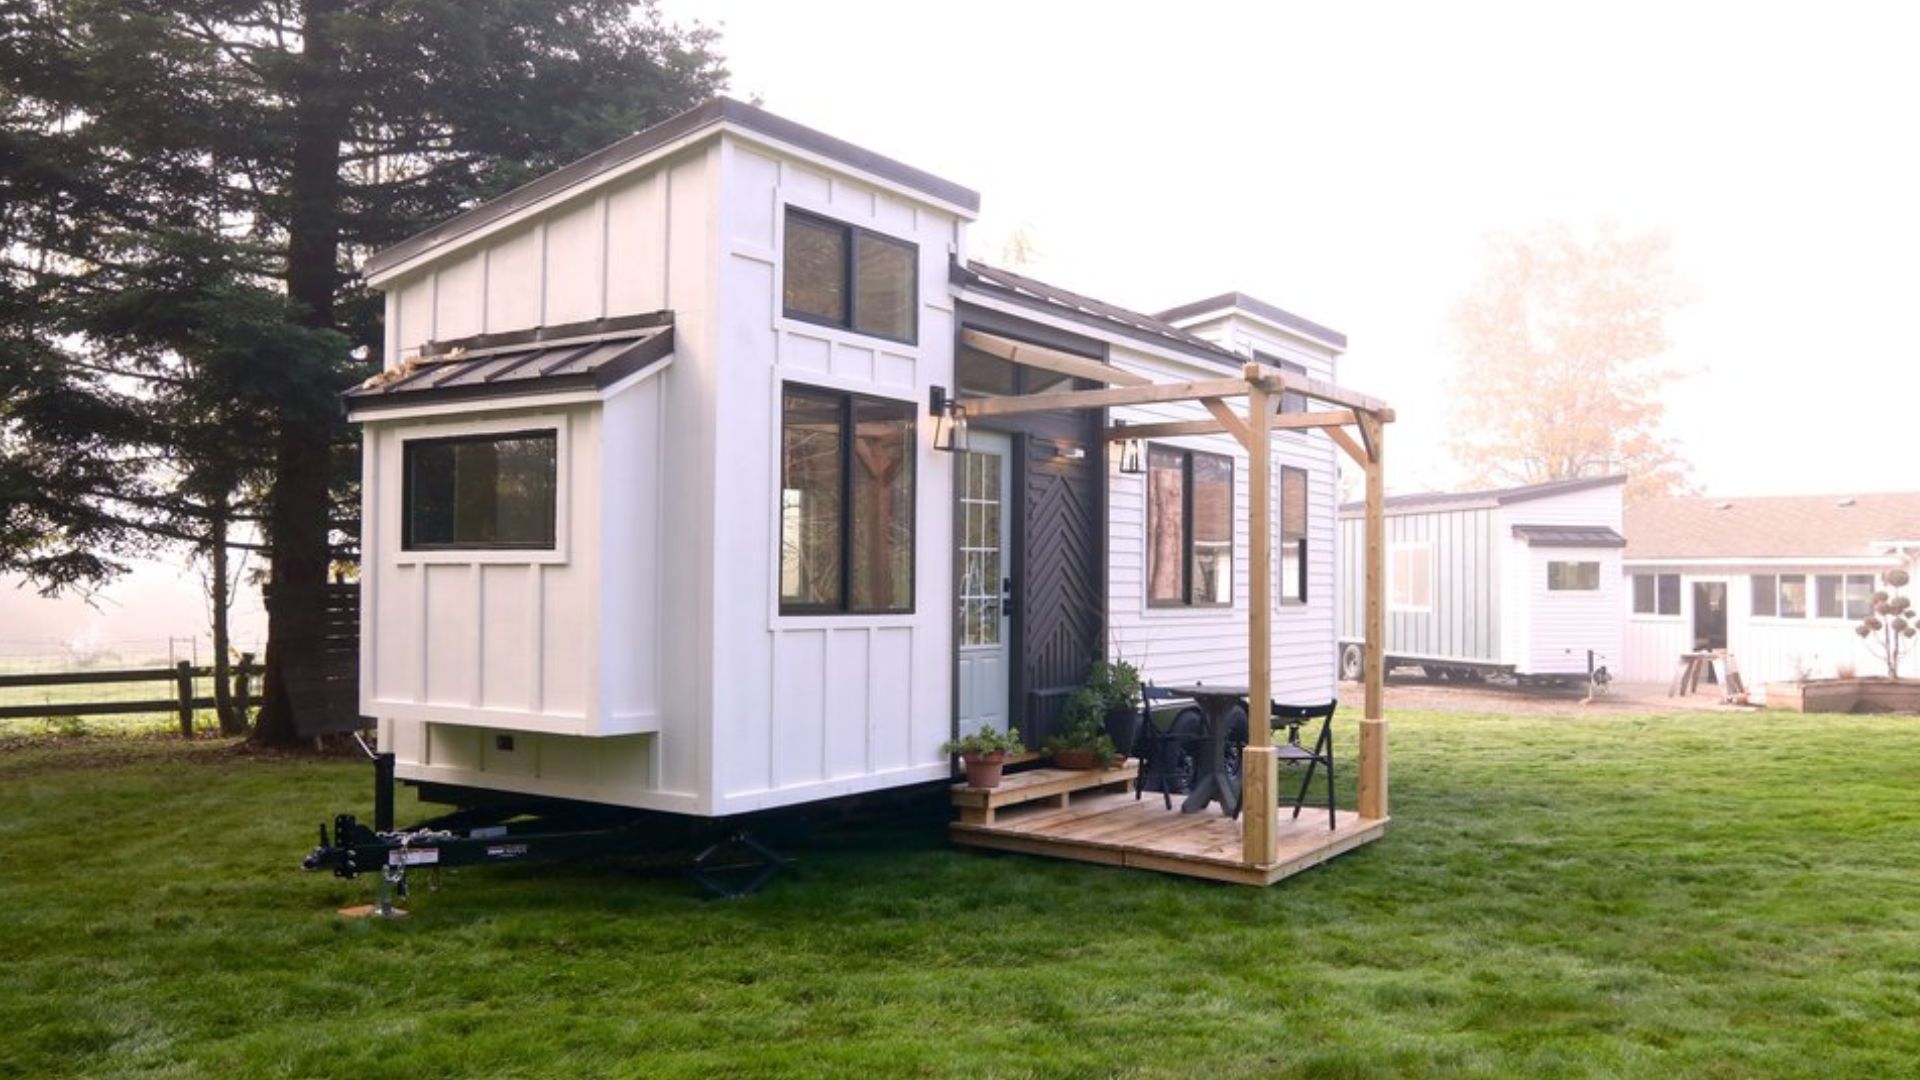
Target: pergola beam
(1054,360)
(1151,394)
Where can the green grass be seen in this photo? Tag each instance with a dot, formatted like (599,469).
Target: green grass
(1693,896)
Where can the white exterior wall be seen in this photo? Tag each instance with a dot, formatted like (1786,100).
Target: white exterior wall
(1767,648)
(1173,645)
(809,707)
(579,654)
(1545,632)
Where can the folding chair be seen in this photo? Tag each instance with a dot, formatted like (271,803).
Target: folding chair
(1292,717)
(1166,758)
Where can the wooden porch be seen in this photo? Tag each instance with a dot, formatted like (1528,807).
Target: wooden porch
(1094,817)
(1263,845)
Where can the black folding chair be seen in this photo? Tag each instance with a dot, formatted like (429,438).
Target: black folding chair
(1292,717)
(1166,757)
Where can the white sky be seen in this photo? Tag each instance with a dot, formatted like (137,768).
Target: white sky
(1345,160)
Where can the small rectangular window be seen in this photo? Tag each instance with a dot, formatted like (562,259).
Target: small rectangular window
(1859,596)
(846,503)
(1573,576)
(1793,596)
(1669,594)
(1293,535)
(842,275)
(1410,578)
(1643,594)
(1827,602)
(480,491)
(1189,528)
(1766,594)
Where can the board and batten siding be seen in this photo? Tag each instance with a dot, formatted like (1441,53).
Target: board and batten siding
(1549,633)
(567,673)
(1209,644)
(1464,619)
(811,707)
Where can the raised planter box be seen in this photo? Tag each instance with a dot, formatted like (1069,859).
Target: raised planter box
(1879,695)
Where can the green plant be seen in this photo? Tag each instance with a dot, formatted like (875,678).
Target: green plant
(1116,682)
(1892,624)
(1081,725)
(983,742)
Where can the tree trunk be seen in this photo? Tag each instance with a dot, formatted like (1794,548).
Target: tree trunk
(298,509)
(231,721)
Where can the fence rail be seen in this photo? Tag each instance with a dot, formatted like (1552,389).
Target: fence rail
(181,702)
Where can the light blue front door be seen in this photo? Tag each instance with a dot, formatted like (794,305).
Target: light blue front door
(984,472)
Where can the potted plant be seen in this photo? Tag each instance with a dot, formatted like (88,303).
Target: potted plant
(984,753)
(1083,742)
(1117,683)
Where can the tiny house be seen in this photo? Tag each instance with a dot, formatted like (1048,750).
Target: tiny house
(1522,581)
(671,502)
(1779,581)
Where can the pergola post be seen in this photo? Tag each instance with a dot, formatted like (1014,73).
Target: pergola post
(1373,724)
(1259,766)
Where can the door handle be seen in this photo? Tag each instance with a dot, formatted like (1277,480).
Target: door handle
(1009,606)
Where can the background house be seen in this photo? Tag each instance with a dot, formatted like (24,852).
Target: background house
(1779,581)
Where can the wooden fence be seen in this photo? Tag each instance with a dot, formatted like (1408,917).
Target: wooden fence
(178,678)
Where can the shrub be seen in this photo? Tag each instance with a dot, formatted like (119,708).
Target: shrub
(1889,629)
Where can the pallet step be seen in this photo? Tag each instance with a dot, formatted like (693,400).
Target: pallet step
(978,805)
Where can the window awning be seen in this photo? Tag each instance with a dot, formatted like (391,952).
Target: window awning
(1571,536)
(557,360)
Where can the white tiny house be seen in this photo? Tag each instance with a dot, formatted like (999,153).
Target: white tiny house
(1521,581)
(655,515)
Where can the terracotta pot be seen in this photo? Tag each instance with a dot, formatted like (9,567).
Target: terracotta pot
(1076,759)
(983,770)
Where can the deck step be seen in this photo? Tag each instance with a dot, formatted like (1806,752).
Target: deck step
(978,805)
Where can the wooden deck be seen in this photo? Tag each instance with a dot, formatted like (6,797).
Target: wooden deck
(1116,830)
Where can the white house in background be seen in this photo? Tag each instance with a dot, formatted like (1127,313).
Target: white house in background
(655,516)
(1522,581)
(1778,581)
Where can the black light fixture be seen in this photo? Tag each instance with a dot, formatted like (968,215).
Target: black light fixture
(1130,464)
(950,421)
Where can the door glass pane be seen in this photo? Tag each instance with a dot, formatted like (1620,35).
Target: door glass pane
(883,288)
(815,269)
(882,464)
(1166,513)
(980,549)
(1212,529)
(810,474)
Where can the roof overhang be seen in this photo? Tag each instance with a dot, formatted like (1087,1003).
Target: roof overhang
(1726,562)
(1569,536)
(566,364)
(643,149)
(1257,310)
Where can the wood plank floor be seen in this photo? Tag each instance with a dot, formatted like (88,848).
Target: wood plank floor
(1117,830)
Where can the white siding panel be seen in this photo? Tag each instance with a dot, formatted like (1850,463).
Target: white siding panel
(515,289)
(506,664)
(451,673)
(459,299)
(575,263)
(415,305)
(848,676)
(799,730)
(637,253)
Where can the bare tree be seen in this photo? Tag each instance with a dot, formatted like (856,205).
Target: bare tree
(1561,373)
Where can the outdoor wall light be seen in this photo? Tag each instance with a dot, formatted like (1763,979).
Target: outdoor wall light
(1130,464)
(950,421)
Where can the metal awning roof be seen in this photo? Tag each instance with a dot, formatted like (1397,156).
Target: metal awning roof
(1581,536)
(518,365)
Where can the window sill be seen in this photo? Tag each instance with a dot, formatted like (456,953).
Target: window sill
(487,556)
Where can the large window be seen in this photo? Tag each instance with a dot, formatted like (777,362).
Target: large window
(1410,577)
(1656,594)
(846,503)
(1293,535)
(1781,595)
(1573,576)
(1842,596)
(1189,528)
(479,491)
(842,275)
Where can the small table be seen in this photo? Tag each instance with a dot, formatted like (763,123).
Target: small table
(1216,702)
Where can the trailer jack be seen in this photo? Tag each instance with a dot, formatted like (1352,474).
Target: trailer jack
(734,867)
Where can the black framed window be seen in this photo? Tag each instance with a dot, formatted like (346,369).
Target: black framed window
(842,275)
(476,492)
(1656,594)
(1189,528)
(1293,535)
(846,502)
(1573,576)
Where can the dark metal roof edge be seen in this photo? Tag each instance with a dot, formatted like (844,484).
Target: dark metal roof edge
(960,275)
(1551,488)
(1257,306)
(1572,536)
(714,111)
(645,353)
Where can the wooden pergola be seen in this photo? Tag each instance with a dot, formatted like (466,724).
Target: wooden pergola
(1355,422)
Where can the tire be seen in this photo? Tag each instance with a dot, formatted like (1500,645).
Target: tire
(1353,663)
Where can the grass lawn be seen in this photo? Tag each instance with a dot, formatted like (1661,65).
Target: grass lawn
(1691,896)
